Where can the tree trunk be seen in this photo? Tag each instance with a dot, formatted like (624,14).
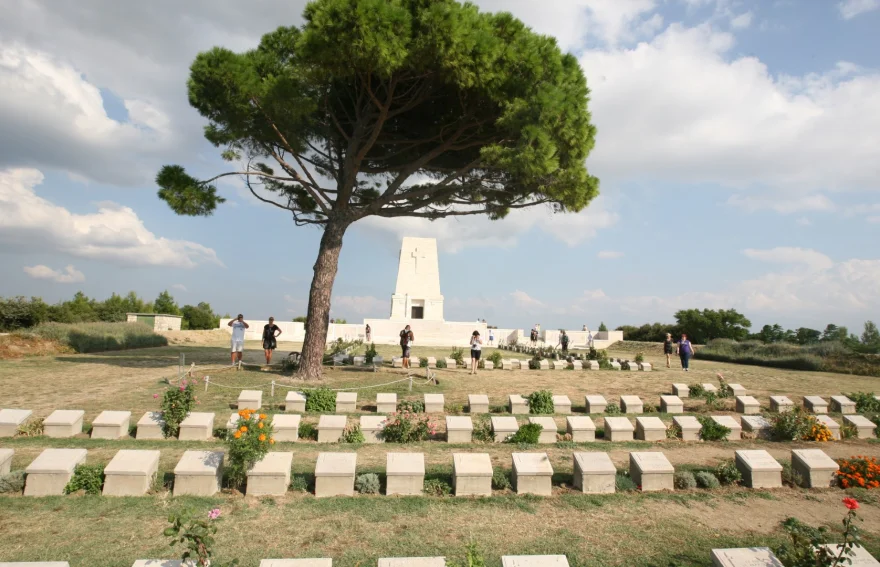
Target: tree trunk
(315,342)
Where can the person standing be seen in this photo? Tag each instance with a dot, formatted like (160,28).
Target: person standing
(238,328)
(270,333)
(533,337)
(369,333)
(406,340)
(491,337)
(476,350)
(668,347)
(685,352)
(563,340)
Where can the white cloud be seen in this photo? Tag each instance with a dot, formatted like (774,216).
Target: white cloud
(609,254)
(113,234)
(789,255)
(849,9)
(783,203)
(363,305)
(41,272)
(179,286)
(524,300)
(741,21)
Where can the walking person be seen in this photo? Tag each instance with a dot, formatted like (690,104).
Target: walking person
(491,338)
(369,333)
(238,328)
(270,333)
(685,351)
(476,350)
(406,340)
(533,337)
(668,347)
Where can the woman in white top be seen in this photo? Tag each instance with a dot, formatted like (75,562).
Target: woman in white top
(476,348)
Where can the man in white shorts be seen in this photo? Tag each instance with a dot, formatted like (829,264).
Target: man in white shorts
(238,328)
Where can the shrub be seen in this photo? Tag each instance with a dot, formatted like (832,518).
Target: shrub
(793,425)
(640,358)
(649,408)
(865,402)
(177,402)
(457,355)
(408,427)
(353,434)
(473,558)
(806,545)
(437,487)
(727,472)
(500,479)
(12,483)
(367,483)
(684,480)
(859,471)
(540,402)
(673,431)
(246,444)
(483,430)
(441,363)
(612,409)
(527,434)
(371,353)
(712,430)
(624,483)
(32,427)
(696,390)
(495,358)
(308,431)
(705,479)
(320,400)
(197,538)
(819,431)
(423,362)
(89,478)
(100,337)
(712,401)
(298,483)
(413,406)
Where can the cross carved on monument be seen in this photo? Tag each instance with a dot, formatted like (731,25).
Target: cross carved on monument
(416,257)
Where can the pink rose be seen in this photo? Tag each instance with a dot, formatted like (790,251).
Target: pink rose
(155,396)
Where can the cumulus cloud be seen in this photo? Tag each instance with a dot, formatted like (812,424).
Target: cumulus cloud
(741,21)
(114,234)
(788,255)
(362,305)
(609,254)
(41,272)
(849,9)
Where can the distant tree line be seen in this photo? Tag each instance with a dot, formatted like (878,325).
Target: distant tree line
(707,324)
(22,313)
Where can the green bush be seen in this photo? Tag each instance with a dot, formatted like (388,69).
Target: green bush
(865,402)
(457,355)
(100,337)
(307,431)
(423,362)
(500,479)
(367,483)
(437,487)
(495,358)
(353,434)
(320,400)
(89,478)
(649,408)
(792,425)
(246,445)
(414,406)
(684,480)
(706,479)
(441,363)
(712,430)
(527,434)
(483,430)
(177,402)
(12,483)
(612,409)
(407,427)
(298,483)
(727,472)
(624,483)
(640,358)
(696,390)
(371,353)
(473,558)
(541,402)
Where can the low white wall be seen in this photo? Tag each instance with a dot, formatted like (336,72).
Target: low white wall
(166,323)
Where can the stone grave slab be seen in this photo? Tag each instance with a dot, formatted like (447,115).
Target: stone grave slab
(689,426)
(864,426)
(595,403)
(478,403)
(385,403)
(330,428)
(130,473)
(412,562)
(503,427)
(372,427)
(11,419)
(197,426)
(544,364)
(459,429)
(615,365)
(149,426)
(359,360)
(815,404)
(199,473)
(472,474)
(736,389)
(781,404)
(651,471)
(558,364)
(434,403)
(759,469)
(534,561)
(250,399)
(518,405)
(730,423)
(488,365)
(49,473)
(6,461)
(745,557)
(581,428)
(671,404)
(561,404)
(233,421)
(814,467)
(681,390)
(594,473)
(285,426)
(548,429)
(650,429)
(860,557)
(450,363)
(645,366)
(346,401)
(631,404)
(405,473)
(618,429)
(432,362)
(295,401)
(842,404)
(414,361)
(523,363)
(532,473)
(378,361)
(63,423)
(156,563)
(591,365)
(759,427)
(577,365)
(710,388)
(111,425)
(35,564)
(270,476)
(310,562)
(747,405)
(334,474)
(396,362)
(832,426)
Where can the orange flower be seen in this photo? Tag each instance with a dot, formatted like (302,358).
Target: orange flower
(271,441)
(237,435)
(243,429)
(260,425)
(262,437)
(242,413)
(262,416)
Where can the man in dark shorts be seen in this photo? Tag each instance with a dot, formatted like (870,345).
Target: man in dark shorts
(563,340)
(270,332)
(406,341)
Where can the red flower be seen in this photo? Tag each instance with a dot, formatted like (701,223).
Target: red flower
(851,503)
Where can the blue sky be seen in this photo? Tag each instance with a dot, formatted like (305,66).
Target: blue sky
(737,152)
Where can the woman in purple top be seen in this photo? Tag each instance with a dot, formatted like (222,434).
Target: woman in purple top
(685,351)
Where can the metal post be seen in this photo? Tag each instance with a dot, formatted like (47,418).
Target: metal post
(410,382)
(273,389)
(207,379)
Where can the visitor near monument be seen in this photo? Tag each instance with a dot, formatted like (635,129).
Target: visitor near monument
(238,328)
(476,349)
(668,346)
(685,351)
(369,333)
(563,340)
(533,336)
(491,337)
(406,341)
(270,333)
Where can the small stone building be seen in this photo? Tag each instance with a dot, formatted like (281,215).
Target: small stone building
(156,321)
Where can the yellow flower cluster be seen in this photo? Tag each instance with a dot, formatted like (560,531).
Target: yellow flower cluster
(818,432)
(246,415)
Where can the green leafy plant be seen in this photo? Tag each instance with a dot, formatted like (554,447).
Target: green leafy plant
(441,363)
(177,402)
(457,355)
(684,480)
(527,434)
(612,409)
(483,430)
(246,445)
(196,537)
(299,483)
(320,400)
(727,472)
(472,558)
(423,362)
(673,431)
(624,483)
(437,487)
(809,547)
(12,483)
(640,358)
(865,402)
(500,479)
(408,427)
(367,483)
(649,408)
(711,430)
(31,428)
(793,425)
(308,431)
(495,359)
(705,479)
(413,406)
(540,402)
(89,478)
(353,434)
(371,353)
(713,402)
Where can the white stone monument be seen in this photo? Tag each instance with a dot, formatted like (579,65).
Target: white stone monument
(417,295)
